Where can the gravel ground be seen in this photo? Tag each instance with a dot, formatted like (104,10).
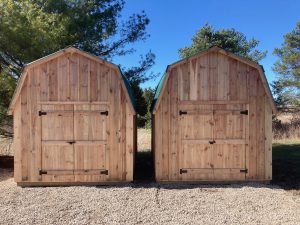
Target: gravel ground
(147,204)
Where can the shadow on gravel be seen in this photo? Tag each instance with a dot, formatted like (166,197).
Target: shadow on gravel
(6,167)
(144,169)
(6,162)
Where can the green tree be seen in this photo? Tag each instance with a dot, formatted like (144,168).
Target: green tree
(7,86)
(140,104)
(229,39)
(287,87)
(148,95)
(31,29)
(136,76)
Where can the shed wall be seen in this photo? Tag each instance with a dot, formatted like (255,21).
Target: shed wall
(75,80)
(217,80)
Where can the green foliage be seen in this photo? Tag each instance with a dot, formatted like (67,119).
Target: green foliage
(27,33)
(136,76)
(285,96)
(229,39)
(286,165)
(144,100)
(148,96)
(287,86)
(7,86)
(140,104)
(139,74)
(31,29)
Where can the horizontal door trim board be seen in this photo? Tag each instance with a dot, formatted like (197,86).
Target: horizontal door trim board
(49,142)
(98,142)
(67,142)
(89,111)
(230,141)
(214,170)
(57,172)
(90,172)
(196,112)
(228,111)
(75,172)
(212,111)
(209,102)
(72,102)
(217,141)
(196,141)
(57,111)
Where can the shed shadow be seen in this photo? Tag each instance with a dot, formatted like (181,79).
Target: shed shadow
(144,168)
(6,167)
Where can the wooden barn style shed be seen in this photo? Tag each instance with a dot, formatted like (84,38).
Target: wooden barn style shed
(212,120)
(74,122)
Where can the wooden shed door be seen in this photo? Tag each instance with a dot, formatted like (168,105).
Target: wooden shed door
(57,153)
(74,142)
(90,134)
(213,141)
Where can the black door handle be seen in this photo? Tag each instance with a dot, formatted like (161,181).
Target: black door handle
(104,113)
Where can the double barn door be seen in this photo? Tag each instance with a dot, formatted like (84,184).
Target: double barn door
(213,141)
(74,142)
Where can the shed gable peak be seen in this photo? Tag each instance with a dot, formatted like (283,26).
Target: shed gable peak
(70,51)
(214,49)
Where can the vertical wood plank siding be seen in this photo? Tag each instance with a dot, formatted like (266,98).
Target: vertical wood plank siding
(212,89)
(73,89)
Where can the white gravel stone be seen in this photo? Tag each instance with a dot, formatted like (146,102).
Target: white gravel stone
(147,204)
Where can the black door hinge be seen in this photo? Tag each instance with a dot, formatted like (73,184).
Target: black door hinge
(41,172)
(212,142)
(104,113)
(104,172)
(245,112)
(71,142)
(182,112)
(244,171)
(41,113)
(183,171)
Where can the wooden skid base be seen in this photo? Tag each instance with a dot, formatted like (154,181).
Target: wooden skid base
(215,182)
(60,184)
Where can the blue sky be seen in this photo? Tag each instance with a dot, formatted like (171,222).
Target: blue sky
(173,23)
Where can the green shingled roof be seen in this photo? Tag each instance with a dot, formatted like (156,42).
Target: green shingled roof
(158,90)
(129,89)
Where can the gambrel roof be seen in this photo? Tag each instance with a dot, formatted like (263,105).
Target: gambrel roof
(125,83)
(162,84)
